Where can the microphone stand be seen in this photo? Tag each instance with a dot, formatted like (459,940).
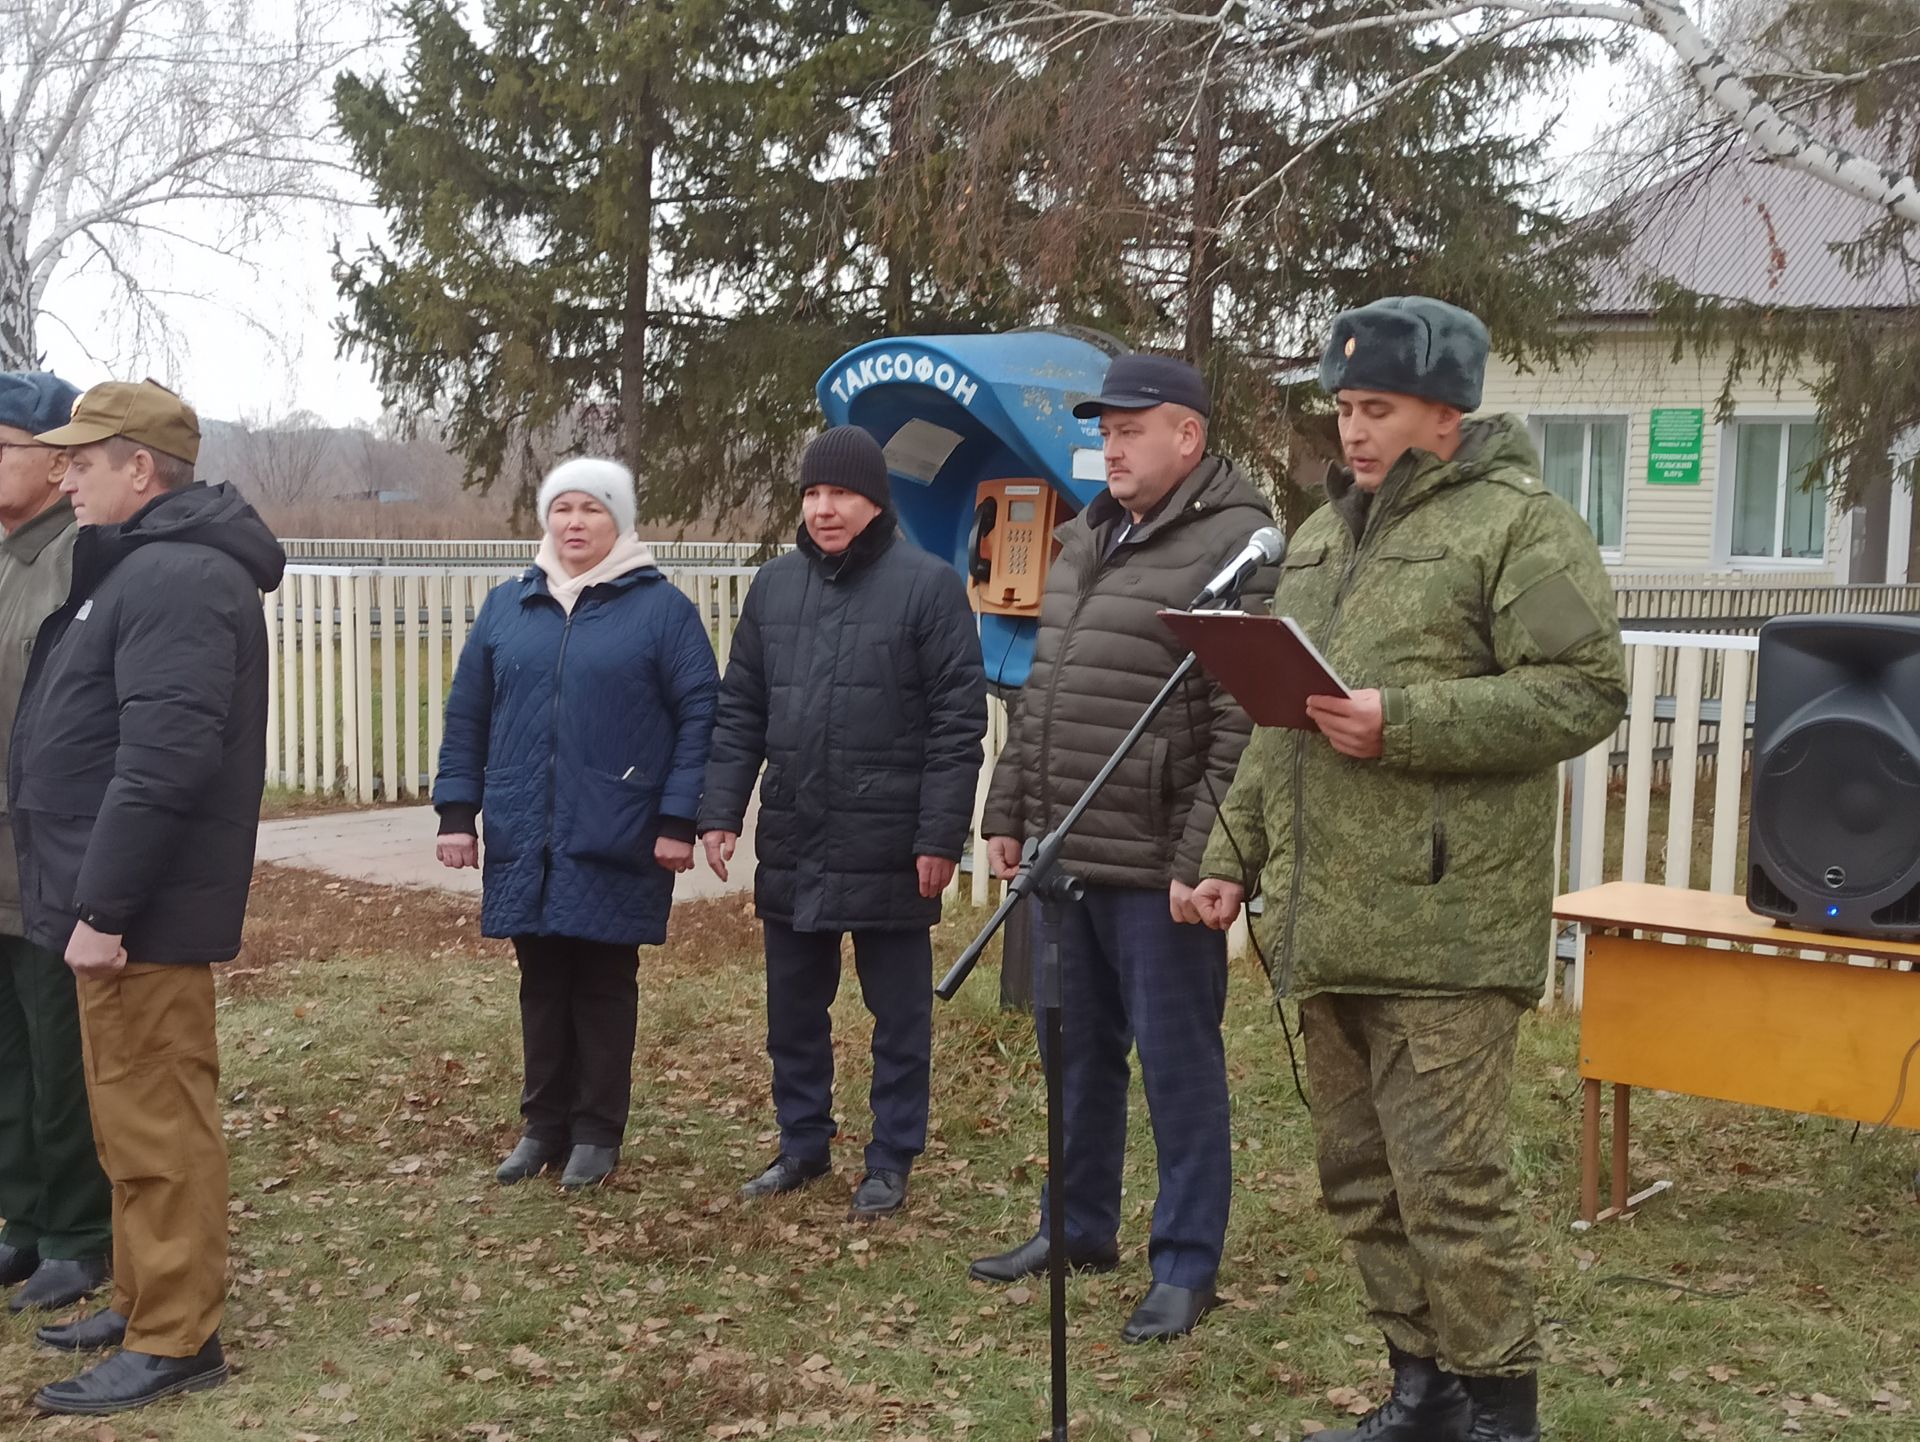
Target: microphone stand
(1040,876)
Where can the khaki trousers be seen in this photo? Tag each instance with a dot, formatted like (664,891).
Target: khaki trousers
(153,1077)
(1410,1103)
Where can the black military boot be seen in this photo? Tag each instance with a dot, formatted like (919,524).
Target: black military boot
(1427,1405)
(1505,1409)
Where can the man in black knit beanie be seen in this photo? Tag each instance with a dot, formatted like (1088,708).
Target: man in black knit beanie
(856,679)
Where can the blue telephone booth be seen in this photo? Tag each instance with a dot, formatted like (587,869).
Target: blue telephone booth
(986,458)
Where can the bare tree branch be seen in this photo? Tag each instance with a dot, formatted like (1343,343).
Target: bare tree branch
(283,458)
(114,111)
(1774,135)
(1268,30)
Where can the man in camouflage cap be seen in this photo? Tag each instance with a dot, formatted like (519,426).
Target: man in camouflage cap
(1406,848)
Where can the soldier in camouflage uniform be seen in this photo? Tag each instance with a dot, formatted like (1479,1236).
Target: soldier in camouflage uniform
(1406,849)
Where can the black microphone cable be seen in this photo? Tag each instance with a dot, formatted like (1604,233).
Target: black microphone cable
(1253,890)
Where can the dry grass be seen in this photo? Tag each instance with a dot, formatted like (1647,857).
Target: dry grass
(385,1289)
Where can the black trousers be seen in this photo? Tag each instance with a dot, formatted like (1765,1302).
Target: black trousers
(53,1195)
(579,1006)
(896,982)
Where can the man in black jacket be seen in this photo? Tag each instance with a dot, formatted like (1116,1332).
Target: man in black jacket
(137,763)
(856,677)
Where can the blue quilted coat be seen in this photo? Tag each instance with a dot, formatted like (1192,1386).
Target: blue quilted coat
(575,736)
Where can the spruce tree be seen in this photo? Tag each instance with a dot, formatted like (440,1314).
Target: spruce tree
(651,226)
(1187,189)
(539,185)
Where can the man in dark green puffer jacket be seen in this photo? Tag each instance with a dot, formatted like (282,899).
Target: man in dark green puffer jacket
(1406,851)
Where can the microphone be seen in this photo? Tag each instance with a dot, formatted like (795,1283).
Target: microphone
(1263,548)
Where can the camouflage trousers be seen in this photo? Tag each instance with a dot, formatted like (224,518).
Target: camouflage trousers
(1410,1101)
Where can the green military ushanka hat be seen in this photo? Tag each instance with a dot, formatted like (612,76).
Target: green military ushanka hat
(1411,345)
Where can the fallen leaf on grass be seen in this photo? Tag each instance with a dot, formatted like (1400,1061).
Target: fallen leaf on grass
(1350,1400)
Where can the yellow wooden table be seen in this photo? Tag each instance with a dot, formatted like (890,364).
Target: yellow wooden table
(1662,1010)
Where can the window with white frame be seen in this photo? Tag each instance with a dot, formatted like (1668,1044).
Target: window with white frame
(1779,504)
(1583,460)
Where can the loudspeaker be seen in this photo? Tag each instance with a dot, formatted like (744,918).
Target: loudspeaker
(1834,839)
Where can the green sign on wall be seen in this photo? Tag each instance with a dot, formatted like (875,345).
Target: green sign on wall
(1674,438)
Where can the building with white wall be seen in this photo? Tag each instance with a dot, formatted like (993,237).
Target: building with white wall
(1631,435)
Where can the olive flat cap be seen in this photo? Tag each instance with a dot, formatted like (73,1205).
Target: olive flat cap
(144,412)
(1411,345)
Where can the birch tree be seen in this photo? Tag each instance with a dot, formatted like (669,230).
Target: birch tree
(136,133)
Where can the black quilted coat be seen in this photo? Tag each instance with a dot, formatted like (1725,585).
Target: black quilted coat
(857,680)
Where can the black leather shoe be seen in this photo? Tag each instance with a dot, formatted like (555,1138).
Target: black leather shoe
(528,1159)
(17,1264)
(133,1379)
(1029,1259)
(880,1194)
(1505,1409)
(1427,1405)
(60,1283)
(589,1166)
(1167,1312)
(785,1174)
(90,1334)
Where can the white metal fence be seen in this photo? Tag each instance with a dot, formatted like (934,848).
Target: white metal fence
(362,657)
(378,551)
(1689,709)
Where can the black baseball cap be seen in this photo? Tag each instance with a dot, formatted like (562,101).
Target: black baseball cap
(1141,382)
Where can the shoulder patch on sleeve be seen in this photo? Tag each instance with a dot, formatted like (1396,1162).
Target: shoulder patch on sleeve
(1557,615)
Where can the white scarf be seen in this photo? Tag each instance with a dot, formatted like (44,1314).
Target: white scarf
(629,553)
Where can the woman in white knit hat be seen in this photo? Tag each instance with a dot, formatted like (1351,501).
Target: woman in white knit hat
(577,733)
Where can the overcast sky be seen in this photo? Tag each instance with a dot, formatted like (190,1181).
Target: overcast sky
(262,343)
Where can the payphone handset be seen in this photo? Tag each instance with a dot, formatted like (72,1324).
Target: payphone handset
(1011,546)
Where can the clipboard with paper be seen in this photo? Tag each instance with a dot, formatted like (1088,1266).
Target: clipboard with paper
(1268,663)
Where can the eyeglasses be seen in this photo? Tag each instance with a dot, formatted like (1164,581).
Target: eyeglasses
(27,446)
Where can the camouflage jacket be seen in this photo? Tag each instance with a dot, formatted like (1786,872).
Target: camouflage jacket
(1476,601)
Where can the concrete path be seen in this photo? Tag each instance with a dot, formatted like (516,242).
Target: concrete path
(393,846)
